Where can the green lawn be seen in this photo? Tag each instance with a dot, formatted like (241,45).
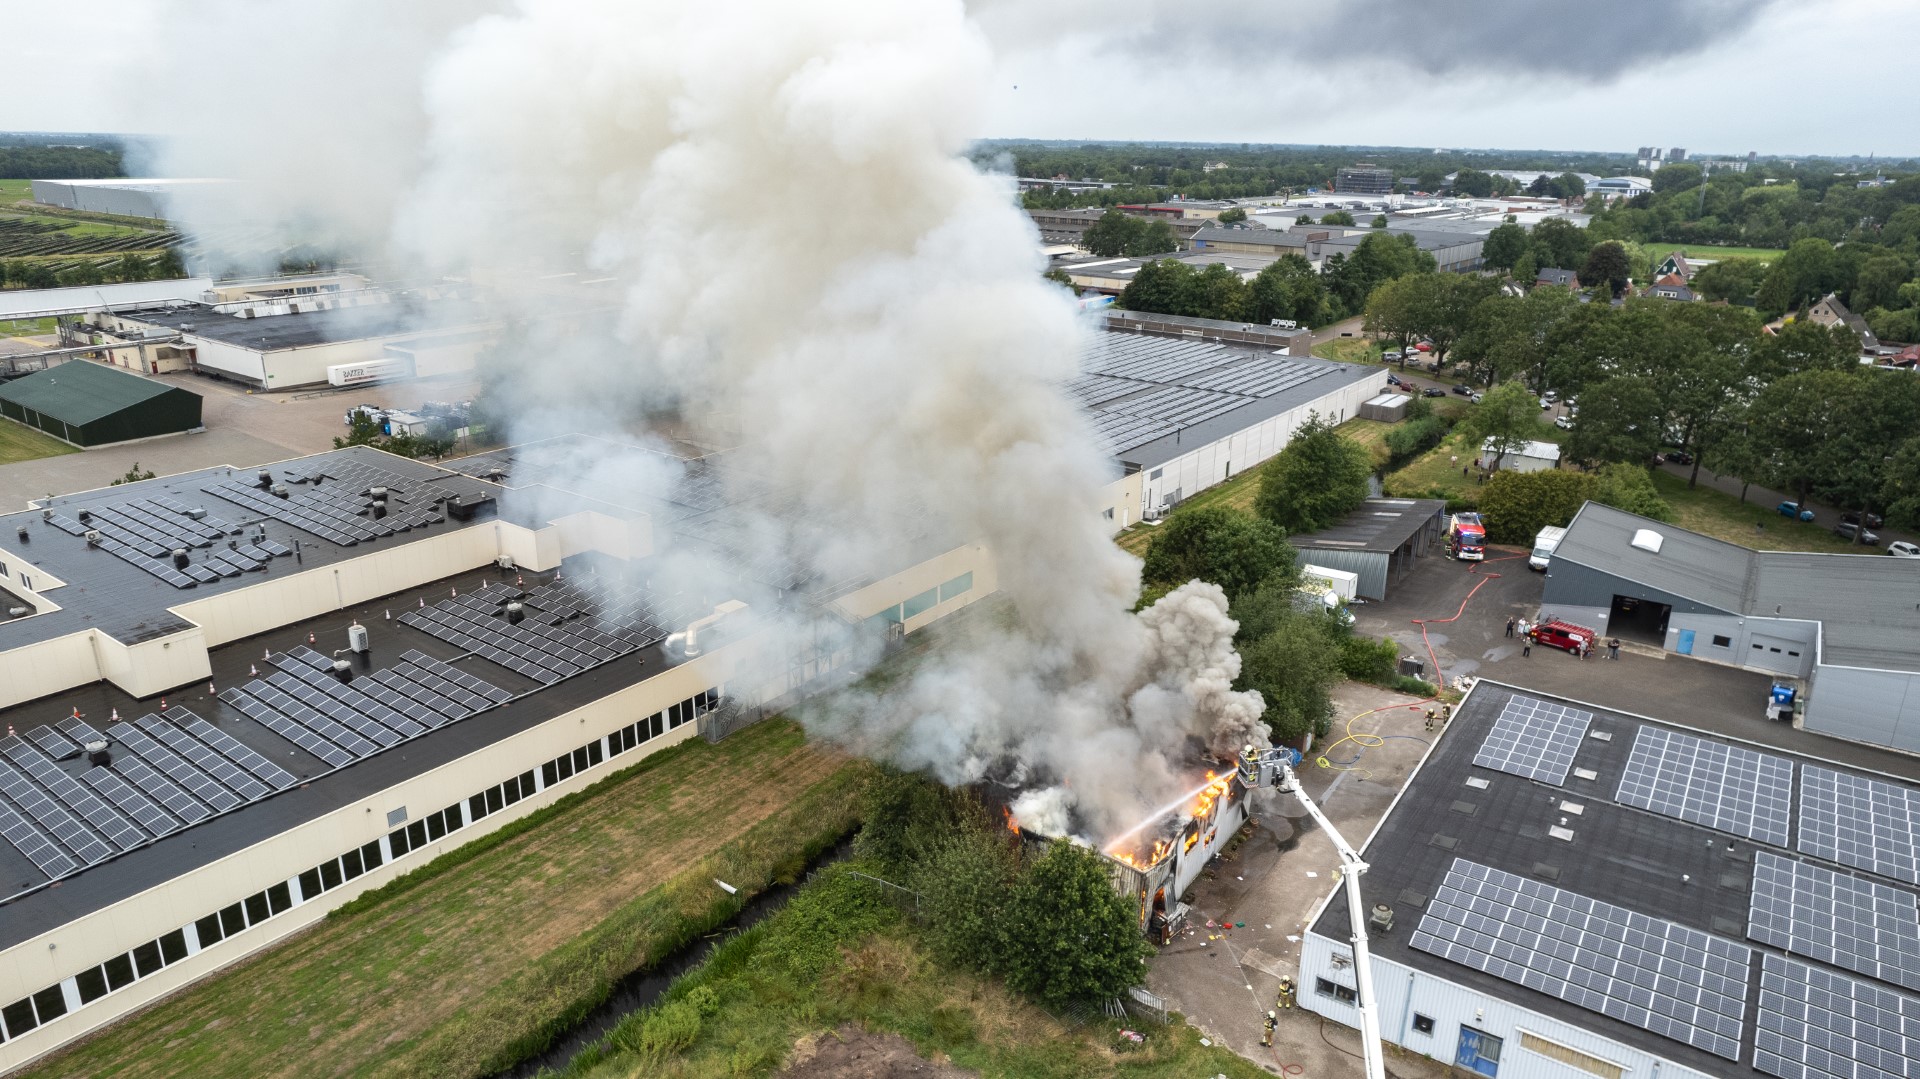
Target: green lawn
(1722,516)
(27,327)
(465,964)
(1349,350)
(18,442)
(1707,251)
(15,190)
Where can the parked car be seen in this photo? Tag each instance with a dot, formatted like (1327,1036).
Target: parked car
(1566,636)
(1854,533)
(1874,520)
(1550,395)
(1903,549)
(1392,355)
(1476,397)
(1396,380)
(1792,509)
(1565,423)
(1463,390)
(1433,391)
(1677,457)
(1545,404)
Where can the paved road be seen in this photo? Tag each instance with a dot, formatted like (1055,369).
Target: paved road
(1763,497)
(243,429)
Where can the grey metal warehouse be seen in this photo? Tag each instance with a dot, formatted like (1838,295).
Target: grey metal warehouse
(1847,624)
(1378,541)
(90,404)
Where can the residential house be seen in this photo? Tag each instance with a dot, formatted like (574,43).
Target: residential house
(1831,312)
(1552,276)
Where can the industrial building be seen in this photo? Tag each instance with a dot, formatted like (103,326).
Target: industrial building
(126,197)
(1112,275)
(1182,414)
(1452,251)
(1364,179)
(192,775)
(88,404)
(1845,625)
(273,341)
(1379,541)
(1565,891)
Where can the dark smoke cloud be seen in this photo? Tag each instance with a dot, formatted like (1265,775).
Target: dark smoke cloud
(1377,38)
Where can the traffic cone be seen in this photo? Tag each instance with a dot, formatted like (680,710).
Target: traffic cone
(423,603)
(116,716)
(456,592)
(163,704)
(310,639)
(253,671)
(266,653)
(211,692)
(389,614)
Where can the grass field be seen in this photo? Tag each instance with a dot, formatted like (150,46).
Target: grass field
(1237,493)
(1705,251)
(27,327)
(15,190)
(1349,350)
(841,961)
(18,442)
(471,960)
(1722,516)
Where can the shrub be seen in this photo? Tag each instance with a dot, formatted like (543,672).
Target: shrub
(1365,659)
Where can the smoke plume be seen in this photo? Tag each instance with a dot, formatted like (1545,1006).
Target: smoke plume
(773,203)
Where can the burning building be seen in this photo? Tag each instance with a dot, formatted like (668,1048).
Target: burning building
(1160,862)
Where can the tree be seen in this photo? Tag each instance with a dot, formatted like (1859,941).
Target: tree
(1900,490)
(1111,235)
(1878,282)
(1861,467)
(1607,265)
(1517,505)
(1806,346)
(1708,372)
(1152,238)
(1287,288)
(1377,259)
(1295,666)
(1067,936)
(964,881)
(1526,268)
(1472,183)
(1393,311)
(1315,481)
(1218,292)
(1567,185)
(1560,243)
(1630,487)
(1337,217)
(1379,221)
(1792,425)
(1508,336)
(1303,219)
(134,475)
(1805,273)
(1232,216)
(1220,544)
(1679,176)
(904,815)
(1620,421)
(1504,246)
(1431,180)
(1506,418)
(1059,277)
(1734,280)
(1596,202)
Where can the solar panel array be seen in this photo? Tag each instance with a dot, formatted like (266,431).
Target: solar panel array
(1535,739)
(1117,431)
(165,772)
(1726,787)
(335,505)
(1154,359)
(1864,823)
(1099,389)
(1846,921)
(1651,973)
(145,532)
(340,722)
(1256,378)
(1815,1024)
(1190,382)
(1177,404)
(566,629)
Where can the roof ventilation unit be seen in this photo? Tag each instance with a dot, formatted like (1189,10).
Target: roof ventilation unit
(1647,540)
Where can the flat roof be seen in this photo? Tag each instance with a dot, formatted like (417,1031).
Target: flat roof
(270,333)
(1153,398)
(1379,525)
(1656,865)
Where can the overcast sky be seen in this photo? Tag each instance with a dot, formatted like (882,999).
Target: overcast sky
(1715,76)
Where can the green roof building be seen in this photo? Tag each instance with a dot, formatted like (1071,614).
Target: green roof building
(90,404)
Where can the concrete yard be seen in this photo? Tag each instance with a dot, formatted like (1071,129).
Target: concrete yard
(243,429)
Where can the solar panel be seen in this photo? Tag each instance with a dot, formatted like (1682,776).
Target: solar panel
(135,805)
(197,782)
(1096,389)
(1535,739)
(165,791)
(1647,972)
(203,755)
(1256,378)
(1864,823)
(1179,405)
(243,755)
(1845,921)
(37,806)
(39,848)
(101,821)
(1813,1024)
(1730,788)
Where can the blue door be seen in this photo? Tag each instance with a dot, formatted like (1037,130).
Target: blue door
(1479,1052)
(1685,645)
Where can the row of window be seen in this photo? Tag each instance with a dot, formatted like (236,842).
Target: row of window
(925,601)
(155,955)
(1480,1051)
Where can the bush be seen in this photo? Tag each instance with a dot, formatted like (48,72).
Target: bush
(1412,687)
(1220,544)
(1517,505)
(1365,659)
(671,1028)
(1413,438)
(1315,480)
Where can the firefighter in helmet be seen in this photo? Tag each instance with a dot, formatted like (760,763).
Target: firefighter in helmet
(1272,1021)
(1286,991)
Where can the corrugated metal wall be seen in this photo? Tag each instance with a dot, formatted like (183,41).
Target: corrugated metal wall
(1881,707)
(1370,566)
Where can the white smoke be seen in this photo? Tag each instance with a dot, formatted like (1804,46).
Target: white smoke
(803,261)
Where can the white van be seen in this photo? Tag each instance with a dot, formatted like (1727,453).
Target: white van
(1543,545)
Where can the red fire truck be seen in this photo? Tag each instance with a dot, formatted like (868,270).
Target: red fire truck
(1467,537)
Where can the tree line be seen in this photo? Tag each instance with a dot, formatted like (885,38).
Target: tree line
(58,163)
(1288,288)
(65,272)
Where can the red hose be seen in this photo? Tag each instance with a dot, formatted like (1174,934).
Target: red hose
(1438,679)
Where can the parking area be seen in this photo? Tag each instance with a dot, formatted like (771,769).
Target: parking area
(243,429)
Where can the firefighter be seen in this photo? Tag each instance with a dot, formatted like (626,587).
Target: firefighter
(1430,718)
(1272,1021)
(1286,991)
(1446,714)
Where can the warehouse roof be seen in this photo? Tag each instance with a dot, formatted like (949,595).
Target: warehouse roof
(303,329)
(1866,604)
(1635,853)
(79,392)
(1380,525)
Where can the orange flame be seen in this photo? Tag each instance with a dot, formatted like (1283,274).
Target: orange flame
(1203,806)
(1012,825)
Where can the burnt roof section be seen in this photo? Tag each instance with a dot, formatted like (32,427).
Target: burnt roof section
(1622,855)
(1380,525)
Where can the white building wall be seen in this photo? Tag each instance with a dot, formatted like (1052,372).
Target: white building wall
(1215,462)
(1405,992)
